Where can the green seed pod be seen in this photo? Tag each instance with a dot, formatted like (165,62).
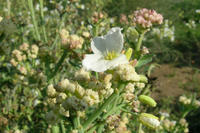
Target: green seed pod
(129,53)
(149,120)
(147,100)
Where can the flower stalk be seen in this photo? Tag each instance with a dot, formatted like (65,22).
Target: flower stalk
(42,17)
(62,127)
(55,129)
(58,65)
(30,4)
(139,43)
(95,115)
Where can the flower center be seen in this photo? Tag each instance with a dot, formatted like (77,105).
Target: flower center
(111,55)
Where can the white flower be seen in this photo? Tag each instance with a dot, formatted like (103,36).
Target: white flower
(106,52)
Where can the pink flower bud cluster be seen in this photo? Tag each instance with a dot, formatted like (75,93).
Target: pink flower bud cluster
(146,18)
(123,19)
(97,16)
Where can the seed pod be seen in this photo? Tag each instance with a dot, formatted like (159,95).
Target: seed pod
(147,100)
(149,120)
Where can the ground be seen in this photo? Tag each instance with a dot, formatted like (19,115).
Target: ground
(175,81)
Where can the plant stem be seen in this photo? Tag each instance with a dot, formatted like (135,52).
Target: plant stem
(139,43)
(92,129)
(8,7)
(100,129)
(185,113)
(77,124)
(58,65)
(42,16)
(30,4)
(140,128)
(59,28)
(62,127)
(96,114)
(114,109)
(55,129)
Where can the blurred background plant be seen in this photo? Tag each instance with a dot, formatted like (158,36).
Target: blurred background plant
(43,42)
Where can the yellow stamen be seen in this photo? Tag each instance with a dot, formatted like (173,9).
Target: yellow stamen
(110,55)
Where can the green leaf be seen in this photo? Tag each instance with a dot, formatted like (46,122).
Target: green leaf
(144,60)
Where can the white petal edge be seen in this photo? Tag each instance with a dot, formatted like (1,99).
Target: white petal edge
(112,41)
(94,62)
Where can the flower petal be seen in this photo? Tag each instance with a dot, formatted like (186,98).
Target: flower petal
(121,59)
(97,63)
(111,42)
(94,62)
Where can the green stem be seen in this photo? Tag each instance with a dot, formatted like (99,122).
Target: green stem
(185,113)
(30,4)
(62,127)
(42,16)
(77,124)
(100,129)
(139,43)
(8,7)
(59,29)
(55,129)
(113,110)
(92,129)
(140,128)
(58,65)
(96,114)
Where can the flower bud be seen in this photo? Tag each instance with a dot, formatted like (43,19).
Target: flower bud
(129,53)
(51,92)
(63,85)
(147,100)
(1,18)
(143,79)
(149,120)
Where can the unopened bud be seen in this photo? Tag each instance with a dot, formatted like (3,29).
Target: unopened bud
(143,79)
(129,53)
(147,100)
(149,120)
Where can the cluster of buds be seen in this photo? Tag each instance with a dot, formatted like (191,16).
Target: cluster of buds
(17,57)
(184,124)
(123,19)
(104,85)
(69,96)
(146,18)
(126,72)
(171,125)
(21,55)
(117,124)
(86,34)
(168,125)
(145,50)
(187,101)
(71,41)
(97,16)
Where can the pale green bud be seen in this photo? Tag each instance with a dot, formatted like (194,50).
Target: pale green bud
(129,53)
(143,79)
(149,120)
(147,100)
